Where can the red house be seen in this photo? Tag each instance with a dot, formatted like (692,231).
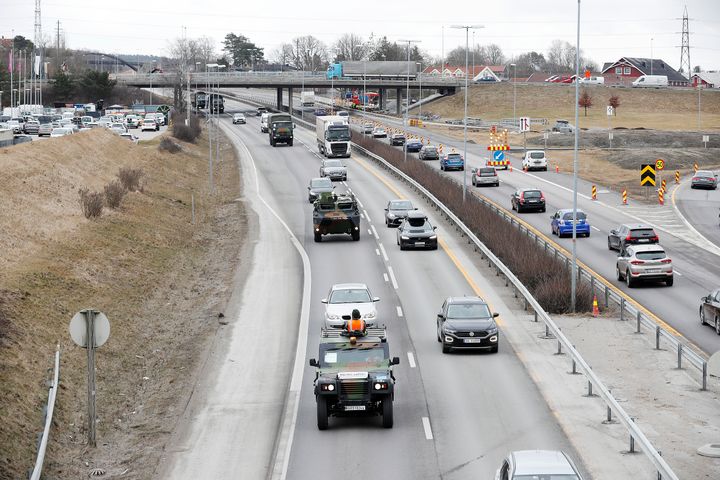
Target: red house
(628,69)
(706,79)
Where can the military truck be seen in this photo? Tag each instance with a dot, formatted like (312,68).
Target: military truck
(354,374)
(336,214)
(280,128)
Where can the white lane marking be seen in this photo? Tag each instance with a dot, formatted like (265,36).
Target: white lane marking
(426,427)
(377,252)
(399,311)
(677,273)
(362,216)
(411,359)
(385,276)
(366,215)
(369,232)
(360,203)
(594,228)
(384,253)
(377,237)
(392,277)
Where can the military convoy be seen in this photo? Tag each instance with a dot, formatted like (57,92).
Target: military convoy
(354,373)
(336,214)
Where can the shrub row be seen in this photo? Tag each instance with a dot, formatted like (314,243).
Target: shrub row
(92,203)
(545,276)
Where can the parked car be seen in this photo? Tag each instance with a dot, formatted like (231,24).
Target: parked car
(534,160)
(239,118)
(650,81)
(416,231)
(429,152)
(637,263)
(561,223)
(563,126)
(379,132)
(452,161)
(704,179)
(528,199)
(537,465)
(318,186)
(710,310)
(333,169)
(631,234)
(45,129)
(467,323)
(343,298)
(396,211)
(61,132)
(397,139)
(485,176)
(413,145)
(148,125)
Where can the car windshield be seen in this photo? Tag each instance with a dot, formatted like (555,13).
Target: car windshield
(354,356)
(454,156)
(570,476)
(704,173)
(401,205)
(350,295)
(431,149)
(537,155)
(654,255)
(468,310)
(642,232)
(419,223)
(578,215)
(532,193)
(278,125)
(338,133)
(321,182)
(333,163)
(487,172)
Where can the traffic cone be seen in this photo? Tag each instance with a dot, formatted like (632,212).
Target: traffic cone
(596,310)
(510,167)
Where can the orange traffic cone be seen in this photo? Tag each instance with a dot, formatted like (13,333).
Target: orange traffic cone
(596,310)
(510,166)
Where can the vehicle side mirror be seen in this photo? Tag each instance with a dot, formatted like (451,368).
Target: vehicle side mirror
(495,315)
(324,300)
(415,208)
(313,362)
(386,209)
(613,232)
(440,314)
(395,361)
(376,299)
(308,188)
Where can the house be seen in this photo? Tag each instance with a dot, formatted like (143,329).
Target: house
(706,79)
(480,73)
(628,69)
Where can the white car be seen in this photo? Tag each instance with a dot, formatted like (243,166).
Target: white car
(343,298)
(148,125)
(534,160)
(537,464)
(61,132)
(379,133)
(238,118)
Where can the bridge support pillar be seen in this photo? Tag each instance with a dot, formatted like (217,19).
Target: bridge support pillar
(290,100)
(381,98)
(279,103)
(398,99)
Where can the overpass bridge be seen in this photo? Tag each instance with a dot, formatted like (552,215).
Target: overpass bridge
(290,81)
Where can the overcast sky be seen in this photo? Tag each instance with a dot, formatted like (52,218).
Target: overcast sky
(610,29)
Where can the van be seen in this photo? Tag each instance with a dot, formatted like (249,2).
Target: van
(651,81)
(593,80)
(264,122)
(534,160)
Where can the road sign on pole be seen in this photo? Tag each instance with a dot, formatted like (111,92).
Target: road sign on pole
(498,155)
(659,164)
(706,139)
(647,175)
(610,111)
(524,124)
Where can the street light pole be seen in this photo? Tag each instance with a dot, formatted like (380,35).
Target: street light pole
(651,56)
(514,87)
(421,97)
(467,30)
(576,130)
(209,116)
(407,92)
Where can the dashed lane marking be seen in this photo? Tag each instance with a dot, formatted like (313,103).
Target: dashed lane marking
(392,277)
(399,311)
(384,253)
(377,237)
(411,359)
(594,228)
(427,428)
(385,276)
(377,252)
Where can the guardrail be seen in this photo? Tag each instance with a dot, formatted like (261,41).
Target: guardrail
(52,394)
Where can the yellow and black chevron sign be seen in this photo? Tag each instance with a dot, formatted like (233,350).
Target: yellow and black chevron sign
(647,175)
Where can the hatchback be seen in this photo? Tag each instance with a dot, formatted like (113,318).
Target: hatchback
(631,234)
(710,310)
(397,139)
(562,223)
(413,145)
(703,179)
(528,199)
(429,152)
(537,465)
(485,176)
(238,118)
(396,211)
(416,231)
(637,263)
(452,161)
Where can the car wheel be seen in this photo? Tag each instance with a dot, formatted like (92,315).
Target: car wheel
(497,184)
(437,332)
(618,274)
(609,245)
(445,348)
(494,349)
(628,279)
(669,282)
(588,233)
(702,317)
(442,168)
(322,413)
(318,237)
(290,143)
(387,420)
(402,247)
(355,235)
(543,209)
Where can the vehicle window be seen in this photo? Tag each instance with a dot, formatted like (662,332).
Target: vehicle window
(349,296)
(717,296)
(453,156)
(468,310)
(430,149)
(320,182)
(654,255)
(371,355)
(401,205)
(546,477)
(487,172)
(338,133)
(537,155)
(532,193)
(417,222)
(578,215)
(643,232)
(703,173)
(333,163)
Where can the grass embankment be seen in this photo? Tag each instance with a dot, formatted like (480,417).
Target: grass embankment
(145,265)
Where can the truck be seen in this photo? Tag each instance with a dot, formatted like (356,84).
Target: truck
(280,128)
(307,99)
(333,136)
(216,103)
(199,100)
(354,373)
(335,214)
(375,69)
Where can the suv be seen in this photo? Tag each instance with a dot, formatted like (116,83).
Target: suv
(534,160)
(637,263)
(397,139)
(260,111)
(562,126)
(354,374)
(396,211)
(528,199)
(452,161)
(238,118)
(429,152)
(485,176)
(465,323)
(416,231)
(343,298)
(628,234)
(537,464)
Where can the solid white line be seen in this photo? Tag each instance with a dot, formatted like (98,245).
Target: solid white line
(360,203)
(399,311)
(384,253)
(411,359)
(392,277)
(377,252)
(594,227)
(377,237)
(362,216)
(426,427)
(385,276)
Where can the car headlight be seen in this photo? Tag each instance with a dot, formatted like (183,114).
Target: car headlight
(369,315)
(448,330)
(404,237)
(327,387)
(380,386)
(433,237)
(492,331)
(391,216)
(332,316)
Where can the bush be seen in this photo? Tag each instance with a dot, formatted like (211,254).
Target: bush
(91,203)
(169,146)
(544,276)
(114,194)
(186,133)
(130,178)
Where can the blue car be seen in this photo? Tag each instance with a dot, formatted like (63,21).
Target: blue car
(452,161)
(561,223)
(413,145)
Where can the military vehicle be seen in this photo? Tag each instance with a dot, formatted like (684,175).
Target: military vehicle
(280,128)
(354,374)
(336,214)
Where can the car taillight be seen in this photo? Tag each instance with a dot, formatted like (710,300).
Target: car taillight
(655,238)
(637,262)
(665,260)
(628,238)
(696,178)
(542,197)
(522,196)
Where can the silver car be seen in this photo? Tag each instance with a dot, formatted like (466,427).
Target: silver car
(343,298)
(333,169)
(537,464)
(703,179)
(637,263)
(485,176)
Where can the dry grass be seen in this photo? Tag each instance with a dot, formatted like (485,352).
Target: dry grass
(143,265)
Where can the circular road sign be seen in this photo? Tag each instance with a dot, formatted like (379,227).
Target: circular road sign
(659,164)
(78,329)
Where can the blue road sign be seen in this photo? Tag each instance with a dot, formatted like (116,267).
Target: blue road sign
(498,155)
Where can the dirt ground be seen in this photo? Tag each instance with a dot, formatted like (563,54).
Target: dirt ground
(161,280)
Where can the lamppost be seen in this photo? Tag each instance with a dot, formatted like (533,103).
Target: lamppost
(467,30)
(651,56)
(573,275)
(407,94)
(420,80)
(514,83)
(217,118)
(208,66)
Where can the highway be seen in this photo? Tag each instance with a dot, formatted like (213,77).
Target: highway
(701,209)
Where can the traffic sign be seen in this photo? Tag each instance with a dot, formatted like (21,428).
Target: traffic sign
(647,175)
(659,164)
(498,155)
(79,330)
(524,124)
(610,111)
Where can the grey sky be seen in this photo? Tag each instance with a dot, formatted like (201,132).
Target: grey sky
(610,29)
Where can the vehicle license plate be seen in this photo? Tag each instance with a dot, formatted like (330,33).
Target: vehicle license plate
(473,340)
(420,244)
(654,270)
(354,408)
(643,240)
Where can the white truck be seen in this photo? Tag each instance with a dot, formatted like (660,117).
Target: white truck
(333,136)
(307,99)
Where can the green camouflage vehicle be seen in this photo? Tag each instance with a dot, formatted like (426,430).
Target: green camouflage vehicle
(335,214)
(354,375)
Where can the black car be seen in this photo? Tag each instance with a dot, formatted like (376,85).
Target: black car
(396,211)
(416,231)
(528,199)
(429,152)
(260,111)
(318,186)
(467,323)
(701,179)
(397,139)
(631,234)
(710,310)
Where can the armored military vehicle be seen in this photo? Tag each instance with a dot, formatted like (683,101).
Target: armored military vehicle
(354,374)
(336,214)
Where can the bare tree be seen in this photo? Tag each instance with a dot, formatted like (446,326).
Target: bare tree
(283,55)
(351,47)
(309,52)
(614,101)
(494,54)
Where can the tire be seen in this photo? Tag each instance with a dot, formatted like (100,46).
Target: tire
(494,349)
(387,421)
(669,282)
(445,348)
(610,247)
(387,223)
(318,237)
(402,247)
(290,143)
(442,169)
(434,247)
(497,184)
(544,209)
(618,274)
(628,279)
(587,235)
(437,333)
(322,413)
(355,235)
(702,316)
(462,169)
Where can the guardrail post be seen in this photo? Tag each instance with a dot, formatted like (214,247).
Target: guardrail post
(632,439)
(638,323)
(659,475)
(607,297)
(574,368)
(704,376)
(559,350)
(622,308)
(657,337)
(679,352)
(590,390)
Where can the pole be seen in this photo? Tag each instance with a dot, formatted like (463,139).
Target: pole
(209,115)
(407,99)
(421,97)
(364,88)
(442,67)
(573,275)
(651,55)
(514,65)
(699,87)
(90,335)
(12,70)
(467,29)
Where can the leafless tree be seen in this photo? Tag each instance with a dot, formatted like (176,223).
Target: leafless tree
(309,53)
(585,101)
(351,47)
(494,54)
(283,55)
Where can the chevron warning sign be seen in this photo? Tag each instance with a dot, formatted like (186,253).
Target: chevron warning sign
(647,175)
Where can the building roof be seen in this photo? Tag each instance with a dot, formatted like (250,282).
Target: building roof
(712,78)
(473,71)
(538,77)
(659,67)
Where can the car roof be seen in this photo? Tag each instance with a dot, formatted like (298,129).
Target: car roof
(541,462)
(348,286)
(529,189)
(653,247)
(569,210)
(634,226)
(465,300)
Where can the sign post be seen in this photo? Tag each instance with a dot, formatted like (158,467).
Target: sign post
(706,139)
(524,127)
(647,176)
(545,137)
(610,111)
